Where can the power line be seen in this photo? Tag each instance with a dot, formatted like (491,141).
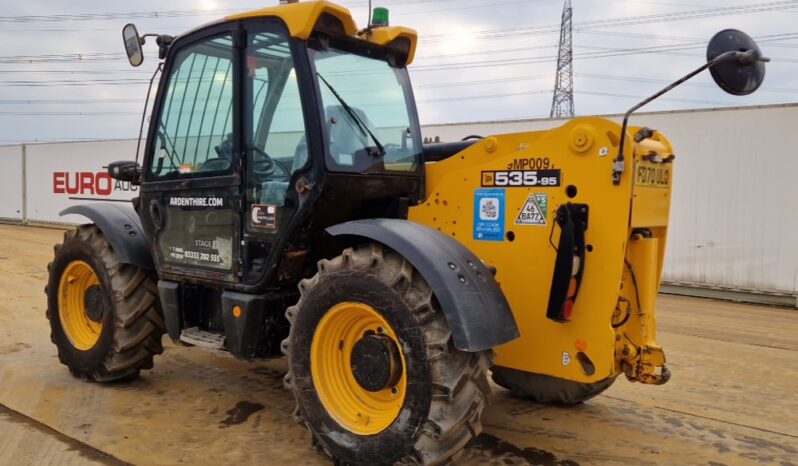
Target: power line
(67,101)
(168,14)
(601,52)
(671,99)
(580,27)
(446,99)
(627,21)
(113,16)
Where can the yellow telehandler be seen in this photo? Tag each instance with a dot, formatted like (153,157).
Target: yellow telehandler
(288,206)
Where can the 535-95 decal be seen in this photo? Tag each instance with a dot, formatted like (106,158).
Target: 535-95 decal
(521,178)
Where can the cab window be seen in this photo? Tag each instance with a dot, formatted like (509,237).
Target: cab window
(369,116)
(194,134)
(275,137)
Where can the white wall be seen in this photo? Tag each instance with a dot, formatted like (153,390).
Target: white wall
(11,182)
(734,213)
(62,175)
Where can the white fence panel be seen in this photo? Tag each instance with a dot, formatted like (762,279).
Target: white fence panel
(11,183)
(734,213)
(63,175)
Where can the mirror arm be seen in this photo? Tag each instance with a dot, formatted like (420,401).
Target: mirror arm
(744,57)
(143,39)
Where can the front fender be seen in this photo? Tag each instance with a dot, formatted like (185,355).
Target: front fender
(475,307)
(121,225)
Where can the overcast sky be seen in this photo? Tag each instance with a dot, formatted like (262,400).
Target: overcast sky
(477,60)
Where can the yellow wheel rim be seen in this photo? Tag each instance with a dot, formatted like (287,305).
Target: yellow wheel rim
(358,410)
(81,331)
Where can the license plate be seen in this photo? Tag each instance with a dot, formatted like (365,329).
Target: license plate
(653,175)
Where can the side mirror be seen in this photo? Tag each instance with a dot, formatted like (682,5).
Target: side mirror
(743,72)
(736,64)
(133,44)
(125,171)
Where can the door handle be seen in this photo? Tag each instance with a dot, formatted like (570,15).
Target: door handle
(156,216)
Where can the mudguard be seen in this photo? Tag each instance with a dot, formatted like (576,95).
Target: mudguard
(475,307)
(122,226)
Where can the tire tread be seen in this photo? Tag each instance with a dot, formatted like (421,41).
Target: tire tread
(137,322)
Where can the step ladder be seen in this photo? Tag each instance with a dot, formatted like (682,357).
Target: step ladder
(196,337)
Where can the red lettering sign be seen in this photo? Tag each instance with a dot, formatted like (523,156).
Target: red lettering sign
(103,185)
(88,183)
(58,182)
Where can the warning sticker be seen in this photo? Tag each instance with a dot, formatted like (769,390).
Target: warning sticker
(489,214)
(535,211)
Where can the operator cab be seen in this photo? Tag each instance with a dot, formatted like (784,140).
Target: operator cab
(265,121)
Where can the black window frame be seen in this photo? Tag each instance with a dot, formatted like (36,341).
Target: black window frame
(235,30)
(301,63)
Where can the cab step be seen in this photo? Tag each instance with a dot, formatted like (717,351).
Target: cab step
(195,336)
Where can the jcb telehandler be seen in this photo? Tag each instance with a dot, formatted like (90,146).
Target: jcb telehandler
(288,205)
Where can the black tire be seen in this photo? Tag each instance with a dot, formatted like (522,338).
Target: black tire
(131,332)
(447,388)
(546,389)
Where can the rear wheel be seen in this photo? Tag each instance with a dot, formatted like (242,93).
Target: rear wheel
(105,317)
(373,368)
(546,389)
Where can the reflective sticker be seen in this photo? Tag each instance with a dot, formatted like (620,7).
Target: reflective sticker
(489,214)
(566,358)
(535,211)
(264,216)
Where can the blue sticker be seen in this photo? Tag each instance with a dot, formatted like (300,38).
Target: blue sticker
(489,214)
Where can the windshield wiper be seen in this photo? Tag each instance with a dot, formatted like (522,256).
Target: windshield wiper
(355,117)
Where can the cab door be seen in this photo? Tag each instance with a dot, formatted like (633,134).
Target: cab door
(278,114)
(191,193)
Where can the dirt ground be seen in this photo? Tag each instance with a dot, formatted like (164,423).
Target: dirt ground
(732,398)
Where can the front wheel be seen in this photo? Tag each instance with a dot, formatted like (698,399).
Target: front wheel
(373,368)
(105,317)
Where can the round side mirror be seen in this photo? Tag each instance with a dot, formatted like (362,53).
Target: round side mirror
(741,75)
(132,44)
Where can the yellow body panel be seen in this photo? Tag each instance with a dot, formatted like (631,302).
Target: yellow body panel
(301,19)
(386,35)
(583,150)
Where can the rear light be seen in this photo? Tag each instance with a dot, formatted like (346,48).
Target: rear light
(567,309)
(572,288)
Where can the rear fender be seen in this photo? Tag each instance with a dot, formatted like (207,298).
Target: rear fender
(475,307)
(121,225)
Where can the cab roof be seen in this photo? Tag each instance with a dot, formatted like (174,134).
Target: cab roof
(302,18)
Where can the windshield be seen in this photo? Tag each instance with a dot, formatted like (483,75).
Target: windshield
(369,117)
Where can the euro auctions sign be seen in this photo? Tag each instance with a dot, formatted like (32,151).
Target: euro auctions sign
(98,185)
(59,176)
